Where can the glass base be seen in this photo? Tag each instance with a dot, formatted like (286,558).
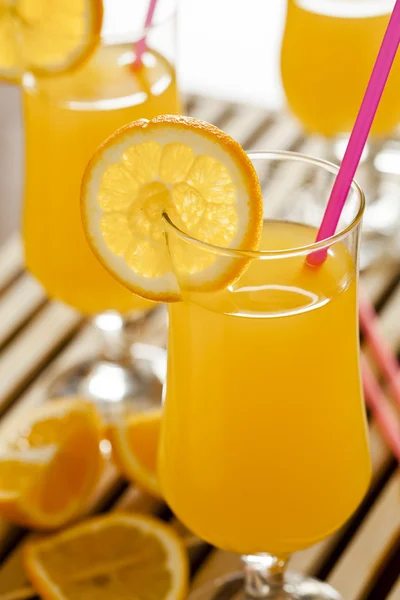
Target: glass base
(295,587)
(112,385)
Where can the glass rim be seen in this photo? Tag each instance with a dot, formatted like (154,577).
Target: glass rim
(135,35)
(285,252)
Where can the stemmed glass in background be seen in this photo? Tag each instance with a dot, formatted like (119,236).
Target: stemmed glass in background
(264,413)
(328,51)
(66,118)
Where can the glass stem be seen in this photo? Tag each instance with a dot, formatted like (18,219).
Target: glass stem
(264,575)
(118,333)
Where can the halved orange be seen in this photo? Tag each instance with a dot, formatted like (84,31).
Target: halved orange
(191,171)
(46,37)
(134,441)
(49,463)
(115,556)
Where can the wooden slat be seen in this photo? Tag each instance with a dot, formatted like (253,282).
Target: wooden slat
(389,325)
(395,592)
(357,564)
(217,565)
(309,560)
(136,500)
(85,345)
(30,350)
(390,321)
(109,479)
(282,135)
(17,304)
(380,452)
(189,104)
(11,260)
(245,123)
(378,278)
(154,330)
(255,130)
(212,111)
(82,347)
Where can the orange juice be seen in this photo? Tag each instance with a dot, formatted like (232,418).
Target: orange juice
(328,52)
(66,119)
(264,443)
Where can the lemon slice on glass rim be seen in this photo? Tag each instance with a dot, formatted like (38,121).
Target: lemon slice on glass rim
(190,171)
(46,37)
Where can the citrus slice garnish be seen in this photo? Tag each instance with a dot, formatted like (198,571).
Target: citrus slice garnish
(49,463)
(46,37)
(134,441)
(190,170)
(110,557)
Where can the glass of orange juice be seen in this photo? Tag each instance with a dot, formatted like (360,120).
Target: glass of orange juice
(66,118)
(328,51)
(264,447)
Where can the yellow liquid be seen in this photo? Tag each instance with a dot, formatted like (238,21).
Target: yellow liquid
(66,119)
(264,442)
(328,52)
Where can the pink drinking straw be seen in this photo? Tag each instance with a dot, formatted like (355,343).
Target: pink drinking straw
(382,353)
(381,409)
(359,134)
(141,44)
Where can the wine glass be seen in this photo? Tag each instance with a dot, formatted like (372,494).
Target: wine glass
(264,448)
(66,118)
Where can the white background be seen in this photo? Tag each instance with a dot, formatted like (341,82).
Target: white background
(230,49)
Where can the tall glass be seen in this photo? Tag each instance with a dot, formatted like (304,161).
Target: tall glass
(325,78)
(264,447)
(66,118)
(328,51)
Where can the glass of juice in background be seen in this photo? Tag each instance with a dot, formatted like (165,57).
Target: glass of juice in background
(264,441)
(328,52)
(66,118)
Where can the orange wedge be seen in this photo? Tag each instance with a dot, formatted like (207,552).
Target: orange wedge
(46,37)
(49,463)
(116,556)
(134,443)
(190,170)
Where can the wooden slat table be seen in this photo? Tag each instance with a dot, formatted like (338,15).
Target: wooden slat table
(39,338)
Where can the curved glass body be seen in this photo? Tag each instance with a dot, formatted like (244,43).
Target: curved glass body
(264,443)
(325,79)
(66,118)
